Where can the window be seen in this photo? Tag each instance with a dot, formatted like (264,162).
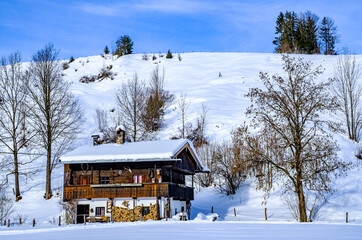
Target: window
(100,211)
(84,180)
(104,180)
(145,211)
(137,178)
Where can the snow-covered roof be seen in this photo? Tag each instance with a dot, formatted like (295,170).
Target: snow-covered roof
(130,152)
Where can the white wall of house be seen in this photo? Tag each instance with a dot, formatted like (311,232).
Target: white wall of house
(176,205)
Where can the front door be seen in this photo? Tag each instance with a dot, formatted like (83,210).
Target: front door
(82,212)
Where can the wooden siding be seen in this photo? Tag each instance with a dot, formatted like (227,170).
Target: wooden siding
(146,190)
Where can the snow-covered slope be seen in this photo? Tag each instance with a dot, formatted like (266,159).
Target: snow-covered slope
(197,75)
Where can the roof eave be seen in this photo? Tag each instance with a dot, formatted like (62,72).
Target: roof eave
(119,160)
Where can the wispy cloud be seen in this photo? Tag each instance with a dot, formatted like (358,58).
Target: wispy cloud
(176,7)
(163,6)
(98,9)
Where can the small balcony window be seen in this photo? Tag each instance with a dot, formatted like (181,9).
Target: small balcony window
(104,180)
(137,178)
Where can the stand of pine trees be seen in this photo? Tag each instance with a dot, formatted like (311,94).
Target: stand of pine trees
(302,33)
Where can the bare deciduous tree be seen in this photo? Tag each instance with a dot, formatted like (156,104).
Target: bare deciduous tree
(349,92)
(14,132)
(198,134)
(290,145)
(101,119)
(228,168)
(131,101)
(56,114)
(206,153)
(183,105)
(6,205)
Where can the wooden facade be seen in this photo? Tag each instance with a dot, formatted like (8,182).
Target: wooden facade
(130,179)
(133,190)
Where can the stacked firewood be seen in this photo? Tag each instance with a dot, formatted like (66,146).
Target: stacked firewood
(121,214)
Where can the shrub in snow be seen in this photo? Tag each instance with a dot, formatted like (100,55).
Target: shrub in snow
(88,79)
(145,57)
(65,66)
(154,57)
(106,72)
(169,54)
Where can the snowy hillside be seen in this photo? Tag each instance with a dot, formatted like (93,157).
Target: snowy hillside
(197,75)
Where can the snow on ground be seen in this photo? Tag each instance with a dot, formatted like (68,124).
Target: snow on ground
(197,75)
(190,230)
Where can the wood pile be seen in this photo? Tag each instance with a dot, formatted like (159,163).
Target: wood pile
(121,214)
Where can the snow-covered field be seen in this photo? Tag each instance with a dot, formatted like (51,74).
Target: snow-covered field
(191,230)
(197,75)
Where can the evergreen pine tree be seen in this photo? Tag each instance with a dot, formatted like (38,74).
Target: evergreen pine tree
(106,50)
(169,54)
(297,34)
(124,45)
(307,34)
(328,35)
(279,30)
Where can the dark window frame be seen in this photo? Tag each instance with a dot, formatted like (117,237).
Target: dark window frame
(146,211)
(104,180)
(99,211)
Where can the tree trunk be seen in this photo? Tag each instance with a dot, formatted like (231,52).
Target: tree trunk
(48,187)
(301,202)
(16,173)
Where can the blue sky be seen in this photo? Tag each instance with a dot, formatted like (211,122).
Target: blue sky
(83,28)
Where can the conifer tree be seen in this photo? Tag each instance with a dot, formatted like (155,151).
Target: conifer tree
(124,46)
(106,50)
(328,35)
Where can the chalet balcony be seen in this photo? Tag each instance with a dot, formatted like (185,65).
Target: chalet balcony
(128,190)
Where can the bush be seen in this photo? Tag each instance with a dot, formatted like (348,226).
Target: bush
(154,57)
(169,54)
(65,66)
(145,57)
(88,79)
(106,73)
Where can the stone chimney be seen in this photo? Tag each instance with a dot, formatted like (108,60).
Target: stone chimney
(121,134)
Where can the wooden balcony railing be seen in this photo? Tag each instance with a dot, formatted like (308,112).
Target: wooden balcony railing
(139,190)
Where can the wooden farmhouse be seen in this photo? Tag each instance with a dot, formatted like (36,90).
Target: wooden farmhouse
(130,181)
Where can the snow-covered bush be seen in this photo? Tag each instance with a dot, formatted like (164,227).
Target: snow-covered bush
(145,57)
(106,72)
(88,79)
(65,66)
